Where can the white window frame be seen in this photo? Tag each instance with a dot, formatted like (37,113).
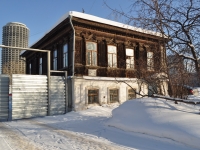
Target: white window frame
(55,59)
(91,53)
(65,55)
(130,64)
(40,65)
(150,62)
(112,56)
(110,101)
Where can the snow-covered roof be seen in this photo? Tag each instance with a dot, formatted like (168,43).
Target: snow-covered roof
(100,20)
(104,21)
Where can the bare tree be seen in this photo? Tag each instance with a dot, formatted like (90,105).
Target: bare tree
(177,21)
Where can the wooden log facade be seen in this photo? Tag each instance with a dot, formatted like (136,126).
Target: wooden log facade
(96,54)
(103,35)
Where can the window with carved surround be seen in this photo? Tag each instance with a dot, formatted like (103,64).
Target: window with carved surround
(40,65)
(65,55)
(91,53)
(55,59)
(129,58)
(150,62)
(112,56)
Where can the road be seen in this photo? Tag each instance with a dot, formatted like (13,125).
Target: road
(35,135)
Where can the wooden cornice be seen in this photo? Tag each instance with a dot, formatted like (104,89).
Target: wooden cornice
(100,35)
(112,29)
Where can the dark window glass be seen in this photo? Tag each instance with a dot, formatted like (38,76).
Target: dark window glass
(55,59)
(40,66)
(65,55)
(114,97)
(93,96)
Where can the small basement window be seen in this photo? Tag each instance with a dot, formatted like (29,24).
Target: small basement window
(114,95)
(93,96)
(131,94)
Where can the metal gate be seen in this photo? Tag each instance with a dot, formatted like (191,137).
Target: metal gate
(4,97)
(57,95)
(30,96)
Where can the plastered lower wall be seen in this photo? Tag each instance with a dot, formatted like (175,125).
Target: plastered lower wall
(103,84)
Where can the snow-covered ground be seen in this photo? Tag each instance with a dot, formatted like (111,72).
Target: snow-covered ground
(141,124)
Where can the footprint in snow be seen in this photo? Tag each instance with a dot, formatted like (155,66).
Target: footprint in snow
(53,136)
(39,136)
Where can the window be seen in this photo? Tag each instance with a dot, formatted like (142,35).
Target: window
(91,53)
(131,94)
(112,56)
(93,96)
(150,64)
(40,65)
(29,68)
(65,55)
(114,95)
(55,59)
(129,58)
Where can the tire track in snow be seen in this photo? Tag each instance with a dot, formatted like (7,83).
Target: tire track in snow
(15,140)
(77,141)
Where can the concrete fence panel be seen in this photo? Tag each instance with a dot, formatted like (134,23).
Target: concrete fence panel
(4,97)
(29,96)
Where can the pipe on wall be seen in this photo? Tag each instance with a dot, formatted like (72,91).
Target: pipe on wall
(73,63)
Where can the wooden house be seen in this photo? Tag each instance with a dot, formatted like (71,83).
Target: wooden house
(101,57)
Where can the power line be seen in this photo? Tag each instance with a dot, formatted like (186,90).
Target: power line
(92,5)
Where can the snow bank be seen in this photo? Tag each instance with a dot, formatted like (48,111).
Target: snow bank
(160,118)
(193,98)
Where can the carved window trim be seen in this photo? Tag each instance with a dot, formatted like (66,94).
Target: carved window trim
(130,58)
(91,53)
(65,55)
(150,61)
(112,56)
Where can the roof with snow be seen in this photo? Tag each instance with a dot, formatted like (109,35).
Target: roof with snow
(103,21)
(99,20)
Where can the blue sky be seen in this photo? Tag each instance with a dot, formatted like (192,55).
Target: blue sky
(40,15)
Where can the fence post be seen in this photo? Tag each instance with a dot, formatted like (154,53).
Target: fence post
(10,108)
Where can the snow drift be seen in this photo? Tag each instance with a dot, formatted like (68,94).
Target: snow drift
(160,118)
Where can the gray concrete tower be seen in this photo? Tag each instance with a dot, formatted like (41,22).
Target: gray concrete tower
(14,34)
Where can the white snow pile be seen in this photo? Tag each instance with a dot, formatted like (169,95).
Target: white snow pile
(193,98)
(160,118)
